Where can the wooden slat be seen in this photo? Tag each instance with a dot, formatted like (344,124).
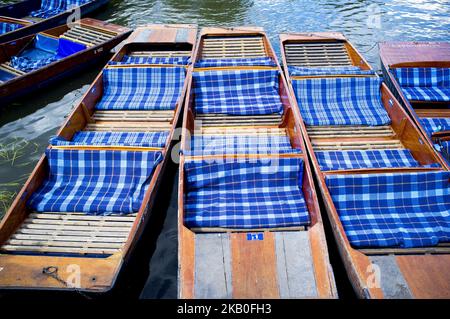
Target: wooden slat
(317,54)
(233,47)
(160,53)
(134,116)
(127,127)
(8,68)
(350,131)
(82,216)
(357,145)
(71,250)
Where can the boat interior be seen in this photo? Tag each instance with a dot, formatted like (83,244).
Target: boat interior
(420,74)
(37,51)
(372,163)
(248,212)
(87,200)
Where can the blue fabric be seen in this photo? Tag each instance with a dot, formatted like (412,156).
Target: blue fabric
(141,139)
(245,193)
(6,76)
(26,64)
(237,92)
(445,150)
(6,27)
(205,145)
(151,60)
(46,43)
(143,88)
(433,125)
(393,210)
(341,101)
(95,182)
(424,84)
(346,70)
(211,63)
(67,48)
(50,8)
(343,160)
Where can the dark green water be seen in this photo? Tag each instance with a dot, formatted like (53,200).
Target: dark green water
(25,126)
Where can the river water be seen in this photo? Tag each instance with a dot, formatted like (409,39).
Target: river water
(26,125)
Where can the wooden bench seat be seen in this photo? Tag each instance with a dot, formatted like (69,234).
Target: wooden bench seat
(233,47)
(134,116)
(318,54)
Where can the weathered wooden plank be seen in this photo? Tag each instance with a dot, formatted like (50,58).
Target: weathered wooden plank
(212,266)
(295,268)
(390,277)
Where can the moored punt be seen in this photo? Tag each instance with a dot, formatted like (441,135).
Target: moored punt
(34,62)
(386,190)
(249,221)
(418,73)
(29,17)
(75,222)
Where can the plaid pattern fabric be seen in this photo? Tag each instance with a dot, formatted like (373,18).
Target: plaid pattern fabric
(245,194)
(6,27)
(141,88)
(50,8)
(341,101)
(424,84)
(345,70)
(228,144)
(142,139)
(393,210)
(433,125)
(237,92)
(95,182)
(342,160)
(26,64)
(211,63)
(76,3)
(151,60)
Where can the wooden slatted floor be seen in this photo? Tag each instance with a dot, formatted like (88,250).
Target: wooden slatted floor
(350,131)
(247,131)
(88,35)
(165,54)
(71,233)
(323,54)
(233,47)
(208,120)
(133,116)
(355,145)
(128,126)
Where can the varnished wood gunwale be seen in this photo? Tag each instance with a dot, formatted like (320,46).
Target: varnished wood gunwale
(246,288)
(43,77)
(356,261)
(97,274)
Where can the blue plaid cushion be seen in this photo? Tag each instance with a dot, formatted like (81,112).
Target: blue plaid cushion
(228,144)
(424,84)
(445,150)
(237,92)
(211,63)
(6,27)
(433,125)
(340,160)
(341,101)
(142,139)
(141,88)
(245,193)
(345,70)
(95,182)
(50,8)
(151,60)
(27,64)
(393,210)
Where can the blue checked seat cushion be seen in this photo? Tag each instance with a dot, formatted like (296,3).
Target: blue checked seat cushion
(393,210)
(50,8)
(245,193)
(239,144)
(141,88)
(341,101)
(141,139)
(424,84)
(345,70)
(95,182)
(237,92)
(151,60)
(6,27)
(387,158)
(211,63)
(27,64)
(433,125)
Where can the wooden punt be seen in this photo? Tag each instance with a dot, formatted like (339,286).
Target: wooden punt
(14,82)
(374,272)
(420,55)
(37,250)
(19,13)
(221,262)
